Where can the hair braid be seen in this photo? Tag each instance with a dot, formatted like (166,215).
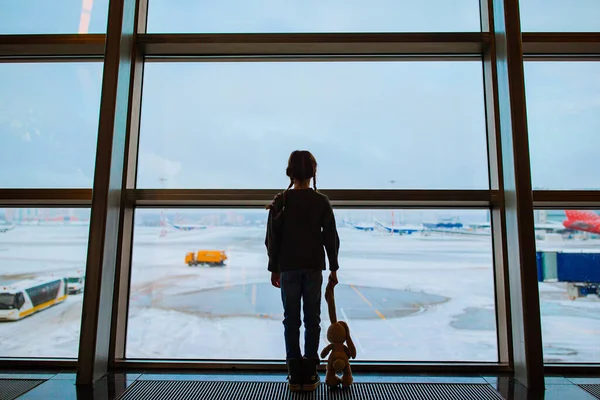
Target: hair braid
(284,196)
(315,182)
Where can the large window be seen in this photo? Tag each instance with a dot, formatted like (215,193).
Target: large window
(371,125)
(560,15)
(49,17)
(392,103)
(42,271)
(48,124)
(425,292)
(277,16)
(563,109)
(568,252)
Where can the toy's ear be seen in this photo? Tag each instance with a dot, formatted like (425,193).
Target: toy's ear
(329,298)
(349,340)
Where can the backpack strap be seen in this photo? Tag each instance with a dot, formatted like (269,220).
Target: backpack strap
(274,201)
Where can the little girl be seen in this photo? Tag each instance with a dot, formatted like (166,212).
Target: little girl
(300,226)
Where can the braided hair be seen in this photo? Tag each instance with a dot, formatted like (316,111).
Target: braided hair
(302,165)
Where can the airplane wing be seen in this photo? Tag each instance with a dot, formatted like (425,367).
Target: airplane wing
(400,228)
(187,227)
(550,227)
(359,227)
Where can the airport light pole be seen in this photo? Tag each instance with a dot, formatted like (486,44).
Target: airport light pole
(392,182)
(163,218)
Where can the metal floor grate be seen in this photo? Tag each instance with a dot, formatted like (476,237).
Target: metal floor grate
(12,388)
(191,390)
(593,389)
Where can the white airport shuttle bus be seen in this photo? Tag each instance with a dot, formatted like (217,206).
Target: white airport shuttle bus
(27,297)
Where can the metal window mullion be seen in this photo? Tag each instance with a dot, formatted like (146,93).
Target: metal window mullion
(525,321)
(122,285)
(164,45)
(320,58)
(126,220)
(573,199)
(90,46)
(497,212)
(566,44)
(341,198)
(94,347)
(45,197)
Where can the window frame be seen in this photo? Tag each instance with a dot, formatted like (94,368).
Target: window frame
(126,47)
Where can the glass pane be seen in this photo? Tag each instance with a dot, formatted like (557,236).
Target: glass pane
(563,110)
(418,125)
(40,308)
(425,293)
(568,258)
(560,15)
(49,124)
(284,16)
(51,17)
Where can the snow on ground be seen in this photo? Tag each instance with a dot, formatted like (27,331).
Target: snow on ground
(406,298)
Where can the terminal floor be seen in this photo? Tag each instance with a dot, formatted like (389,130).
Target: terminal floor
(61,385)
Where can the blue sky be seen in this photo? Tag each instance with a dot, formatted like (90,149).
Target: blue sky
(165,16)
(563,109)
(313,16)
(232,125)
(50,16)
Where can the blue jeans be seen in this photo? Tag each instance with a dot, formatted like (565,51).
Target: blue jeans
(306,285)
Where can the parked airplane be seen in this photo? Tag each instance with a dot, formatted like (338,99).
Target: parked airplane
(6,228)
(360,227)
(164,222)
(546,227)
(457,227)
(584,220)
(577,220)
(406,229)
(478,229)
(185,227)
(401,229)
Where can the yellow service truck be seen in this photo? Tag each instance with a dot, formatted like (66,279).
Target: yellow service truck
(212,258)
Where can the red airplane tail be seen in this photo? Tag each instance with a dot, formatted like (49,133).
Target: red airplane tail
(582,215)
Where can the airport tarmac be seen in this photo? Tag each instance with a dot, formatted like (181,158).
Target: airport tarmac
(407,298)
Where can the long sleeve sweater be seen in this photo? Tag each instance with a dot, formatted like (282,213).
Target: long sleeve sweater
(300,228)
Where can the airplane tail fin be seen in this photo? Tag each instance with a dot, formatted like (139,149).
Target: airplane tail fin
(581,215)
(378,223)
(164,221)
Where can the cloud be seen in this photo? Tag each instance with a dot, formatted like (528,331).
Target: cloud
(232,125)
